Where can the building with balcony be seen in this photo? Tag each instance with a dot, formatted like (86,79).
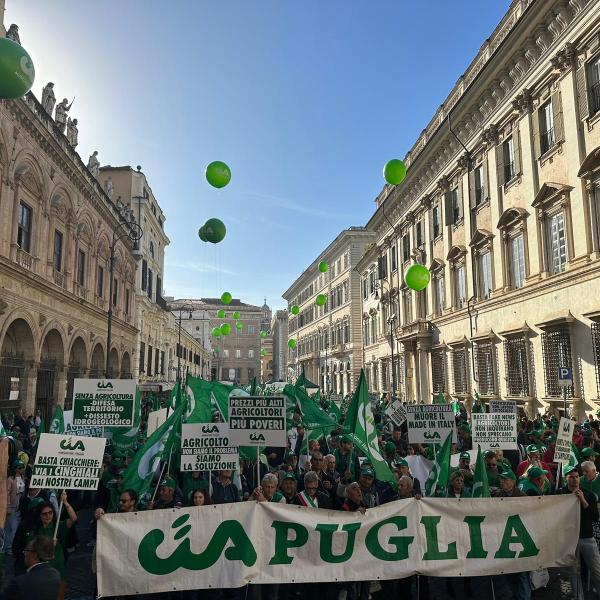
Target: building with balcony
(329,342)
(154,350)
(501,202)
(56,228)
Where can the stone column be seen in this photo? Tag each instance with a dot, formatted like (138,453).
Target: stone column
(423,373)
(60,385)
(29,388)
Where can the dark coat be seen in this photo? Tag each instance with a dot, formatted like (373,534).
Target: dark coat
(41,582)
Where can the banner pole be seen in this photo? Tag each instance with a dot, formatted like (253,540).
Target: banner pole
(210,484)
(58,515)
(257,466)
(558,472)
(159,480)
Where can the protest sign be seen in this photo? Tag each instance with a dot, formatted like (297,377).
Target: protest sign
(103,402)
(395,411)
(206,447)
(230,545)
(495,431)
(429,423)
(564,439)
(155,420)
(503,406)
(70,429)
(337,398)
(257,421)
(65,462)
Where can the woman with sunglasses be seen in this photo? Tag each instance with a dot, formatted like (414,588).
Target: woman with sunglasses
(46,525)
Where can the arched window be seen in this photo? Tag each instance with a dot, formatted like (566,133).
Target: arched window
(152,249)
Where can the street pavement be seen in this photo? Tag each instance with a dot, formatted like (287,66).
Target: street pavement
(81,582)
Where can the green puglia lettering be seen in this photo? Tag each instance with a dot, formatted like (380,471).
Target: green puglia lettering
(400,542)
(228,531)
(433,551)
(283,543)
(477,550)
(521,536)
(326,544)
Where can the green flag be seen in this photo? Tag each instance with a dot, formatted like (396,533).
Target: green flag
(198,400)
(57,424)
(440,399)
(334,412)
(481,488)
(313,416)
(125,439)
(574,459)
(140,472)
(440,470)
(361,426)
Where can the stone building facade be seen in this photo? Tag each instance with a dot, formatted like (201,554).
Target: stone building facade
(329,342)
(56,228)
(279,333)
(502,203)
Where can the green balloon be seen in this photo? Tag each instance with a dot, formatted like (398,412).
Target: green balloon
(292,344)
(394,171)
(263,352)
(236,315)
(218,174)
(239,326)
(263,334)
(221,314)
(323,267)
(295,309)
(321,300)
(226,298)
(417,277)
(225,328)
(216,332)
(214,230)
(16,70)
(202,234)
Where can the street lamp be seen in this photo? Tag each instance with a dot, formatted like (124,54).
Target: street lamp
(183,307)
(134,232)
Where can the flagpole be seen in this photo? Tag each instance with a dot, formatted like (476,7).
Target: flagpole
(257,466)
(58,516)
(210,484)
(159,480)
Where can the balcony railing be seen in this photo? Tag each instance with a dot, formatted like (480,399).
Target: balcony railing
(80,291)
(59,278)
(24,259)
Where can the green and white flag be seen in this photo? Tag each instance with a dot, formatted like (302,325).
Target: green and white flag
(313,416)
(198,400)
(57,424)
(440,399)
(125,439)
(334,412)
(574,459)
(140,472)
(361,426)
(481,488)
(440,470)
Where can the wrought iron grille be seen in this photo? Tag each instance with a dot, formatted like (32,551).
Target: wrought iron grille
(556,352)
(460,370)
(516,361)
(438,370)
(485,362)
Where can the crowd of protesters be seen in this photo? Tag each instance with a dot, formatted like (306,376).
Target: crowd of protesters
(329,473)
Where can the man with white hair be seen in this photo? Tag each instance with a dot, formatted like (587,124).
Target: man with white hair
(267,490)
(590,480)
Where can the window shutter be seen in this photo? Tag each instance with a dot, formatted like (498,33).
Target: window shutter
(559,134)
(537,143)
(459,196)
(582,92)
(500,164)
(486,179)
(472,199)
(448,208)
(517,147)
(144,275)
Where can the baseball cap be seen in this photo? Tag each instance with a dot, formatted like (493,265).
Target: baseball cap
(588,452)
(465,456)
(508,474)
(390,447)
(569,469)
(168,482)
(488,453)
(368,472)
(346,439)
(532,448)
(288,476)
(536,472)
(401,463)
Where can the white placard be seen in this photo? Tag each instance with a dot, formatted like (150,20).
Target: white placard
(564,438)
(503,406)
(155,420)
(429,423)
(495,431)
(257,421)
(396,412)
(206,447)
(65,462)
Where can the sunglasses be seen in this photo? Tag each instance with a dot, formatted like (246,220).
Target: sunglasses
(47,512)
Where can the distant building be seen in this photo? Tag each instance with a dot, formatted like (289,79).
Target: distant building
(279,334)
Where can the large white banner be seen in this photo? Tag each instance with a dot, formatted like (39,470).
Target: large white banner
(429,423)
(230,545)
(64,462)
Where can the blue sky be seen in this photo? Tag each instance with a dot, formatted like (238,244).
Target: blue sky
(305,101)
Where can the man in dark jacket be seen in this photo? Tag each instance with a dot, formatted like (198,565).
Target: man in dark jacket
(40,581)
